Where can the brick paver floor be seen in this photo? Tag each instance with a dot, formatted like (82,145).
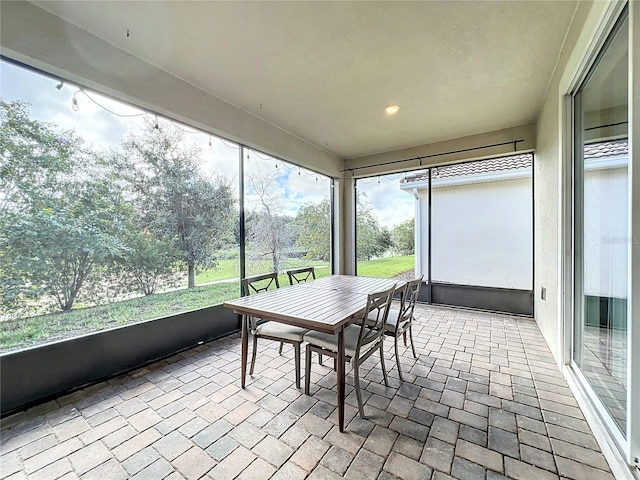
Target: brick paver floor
(484,400)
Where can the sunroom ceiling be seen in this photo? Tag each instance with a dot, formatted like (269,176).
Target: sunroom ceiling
(324,71)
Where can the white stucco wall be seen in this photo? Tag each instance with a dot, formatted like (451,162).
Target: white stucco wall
(481,233)
(606,232)
(551,191)
(553,246)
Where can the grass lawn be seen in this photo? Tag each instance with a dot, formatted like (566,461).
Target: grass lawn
(37,330)
(386,267)
(224,270)
(231,269)
(27,332)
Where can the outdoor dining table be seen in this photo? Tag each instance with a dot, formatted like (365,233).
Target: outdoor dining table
(326,305)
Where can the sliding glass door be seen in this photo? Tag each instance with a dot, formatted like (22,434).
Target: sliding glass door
(601,230)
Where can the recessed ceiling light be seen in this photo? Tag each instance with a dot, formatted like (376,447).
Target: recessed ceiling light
(391,109)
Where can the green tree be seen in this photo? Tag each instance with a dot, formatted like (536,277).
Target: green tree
(147,261)
(174,197)
(371,240)
(62,219)
(55,247)
(34,157)
(384,240)
(403,236)
(313,225)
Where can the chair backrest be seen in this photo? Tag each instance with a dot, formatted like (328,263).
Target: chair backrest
(408,300)
(259,283)
(377,311)
(298,275)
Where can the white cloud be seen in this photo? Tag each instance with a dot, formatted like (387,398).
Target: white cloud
(103,122)
(295,187)
(94,124)
(390,205)
(223,158)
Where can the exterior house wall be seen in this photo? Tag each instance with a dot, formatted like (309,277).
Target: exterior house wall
(553,221)
(605,247)
(551,218)
(481,233)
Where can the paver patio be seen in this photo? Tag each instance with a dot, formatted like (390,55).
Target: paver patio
(484,400)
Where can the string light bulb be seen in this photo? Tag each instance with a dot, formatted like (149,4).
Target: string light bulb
(210,146)
(276,163)
(298,171)
(60,85)
(156,127)
(74,103)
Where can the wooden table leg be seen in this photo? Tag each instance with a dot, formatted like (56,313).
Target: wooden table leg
(245,349)
(340,375)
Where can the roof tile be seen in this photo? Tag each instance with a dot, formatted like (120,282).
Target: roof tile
(513,162)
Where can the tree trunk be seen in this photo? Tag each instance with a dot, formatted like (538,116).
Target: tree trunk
(191,275)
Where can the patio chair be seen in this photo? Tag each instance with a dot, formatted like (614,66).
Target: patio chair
(399,321)
(360,341)
(299,275)
(279,332)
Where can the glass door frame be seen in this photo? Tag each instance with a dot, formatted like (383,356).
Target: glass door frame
(577,317)
(572,274)
(633,313)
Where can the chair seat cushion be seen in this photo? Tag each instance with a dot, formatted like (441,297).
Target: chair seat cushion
(330,342)
(392,319)
(281,330)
